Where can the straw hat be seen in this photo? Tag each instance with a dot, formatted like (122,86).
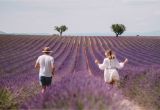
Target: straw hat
(46,50)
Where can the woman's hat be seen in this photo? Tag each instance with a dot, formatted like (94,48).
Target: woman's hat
(46,50)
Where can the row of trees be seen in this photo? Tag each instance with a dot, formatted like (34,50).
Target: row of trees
(118,29)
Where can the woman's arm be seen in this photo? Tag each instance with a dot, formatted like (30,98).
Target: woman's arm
(96,62)
(101,66)
(120,65)
(125,61)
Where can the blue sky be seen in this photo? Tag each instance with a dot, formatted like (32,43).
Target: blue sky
(80,16)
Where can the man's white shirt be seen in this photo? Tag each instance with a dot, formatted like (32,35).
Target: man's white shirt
(46,65)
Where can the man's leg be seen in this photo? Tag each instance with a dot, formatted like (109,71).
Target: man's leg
(43,89)
(48,81)
(43,82)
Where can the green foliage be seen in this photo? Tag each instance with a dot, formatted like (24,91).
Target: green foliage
(118,29)
(80,105)
(61,29)
(7,100)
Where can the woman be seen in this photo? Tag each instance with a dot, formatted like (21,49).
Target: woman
(110,65)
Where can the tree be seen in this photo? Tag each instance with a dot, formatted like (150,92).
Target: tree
(118,29)
(61,29)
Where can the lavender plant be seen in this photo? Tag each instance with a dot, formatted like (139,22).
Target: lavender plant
(73,89)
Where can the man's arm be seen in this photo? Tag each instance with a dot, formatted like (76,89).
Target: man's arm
(53,70)
(37,66)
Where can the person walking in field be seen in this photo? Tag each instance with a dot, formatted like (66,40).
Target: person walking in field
(46,67)
(110,65)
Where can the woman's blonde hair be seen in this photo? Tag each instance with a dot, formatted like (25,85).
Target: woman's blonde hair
(109,53)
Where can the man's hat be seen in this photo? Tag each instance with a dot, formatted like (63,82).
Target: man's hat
(46,50)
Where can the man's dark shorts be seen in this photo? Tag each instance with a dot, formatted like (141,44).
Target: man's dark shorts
(45,81)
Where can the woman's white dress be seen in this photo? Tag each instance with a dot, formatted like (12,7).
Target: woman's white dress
(110,69)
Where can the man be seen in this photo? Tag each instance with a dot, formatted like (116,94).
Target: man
(46,67)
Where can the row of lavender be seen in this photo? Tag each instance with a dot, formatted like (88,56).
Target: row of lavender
(73,54)
(85,48)
(96,46)
(139,51)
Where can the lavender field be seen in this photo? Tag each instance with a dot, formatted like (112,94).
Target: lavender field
(78,83)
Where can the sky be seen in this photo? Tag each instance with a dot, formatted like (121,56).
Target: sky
(80,16)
